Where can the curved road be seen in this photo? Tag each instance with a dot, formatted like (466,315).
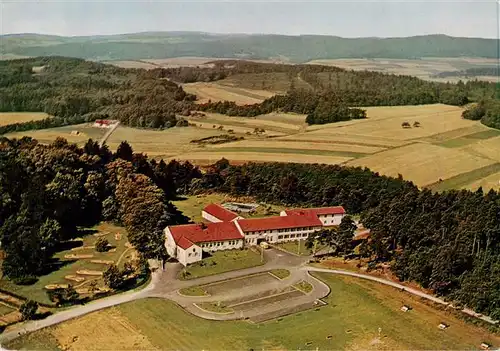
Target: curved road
(164,284)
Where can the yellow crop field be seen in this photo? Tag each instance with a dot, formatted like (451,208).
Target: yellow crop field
(78,134)
(490,182)
(215,118)
(205,158)
(422,163)
(302,146)
(334,136)
(20,117)
(489,148)
(217,92)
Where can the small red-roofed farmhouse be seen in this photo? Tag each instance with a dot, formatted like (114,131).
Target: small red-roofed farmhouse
(227,230)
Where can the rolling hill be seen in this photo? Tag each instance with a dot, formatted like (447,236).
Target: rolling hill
(155,45)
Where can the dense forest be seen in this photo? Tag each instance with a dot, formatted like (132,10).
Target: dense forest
(301,48)
(77,91)
(487,111)
(448,242)
(49,192)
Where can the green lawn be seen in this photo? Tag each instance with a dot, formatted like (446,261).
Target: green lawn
(355,311)
(37,290)
(304,286)
(220,262)
(280,273)
(191,206)
(216,307)
(298,247)
(193,291)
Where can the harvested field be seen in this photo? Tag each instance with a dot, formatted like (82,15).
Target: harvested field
(323,136)
(217,92)
(20,117)
(471,138)
(456,133)
(206,158)
(264,123)
(422,163)
(240,128)
(432,123)
(132,64)
(491,181)
(489,148)
(47,136)
(470,179)
(160,143)
(288,118)
(303,146)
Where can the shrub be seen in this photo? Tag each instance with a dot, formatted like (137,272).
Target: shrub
(113,278)
(28,310)
(102,245)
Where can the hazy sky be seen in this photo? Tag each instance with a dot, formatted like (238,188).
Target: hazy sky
(380,18)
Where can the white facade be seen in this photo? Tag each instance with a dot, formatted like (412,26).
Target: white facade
(331,219)
(326,220)
(189,255)
(277,235)
(209,217)
(195,252)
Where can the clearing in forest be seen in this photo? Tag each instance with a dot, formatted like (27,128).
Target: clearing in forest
(216,92)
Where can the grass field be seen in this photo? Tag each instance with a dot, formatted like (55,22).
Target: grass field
(68,266)
(296,247)
(46,136)
(220,262)
(355,311)
(20,117)
(216,92)
(280,273)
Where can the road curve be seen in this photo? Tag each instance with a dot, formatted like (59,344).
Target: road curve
(402,287)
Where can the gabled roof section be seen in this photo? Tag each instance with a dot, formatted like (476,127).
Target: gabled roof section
(318,211)
(199,233)
(184,243)
(278,222)
(220,212)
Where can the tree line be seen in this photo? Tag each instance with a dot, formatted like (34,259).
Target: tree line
(48,192)
(76,91)
(486,111)
(448,242)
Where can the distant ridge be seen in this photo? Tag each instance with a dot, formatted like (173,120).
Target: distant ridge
(299,48)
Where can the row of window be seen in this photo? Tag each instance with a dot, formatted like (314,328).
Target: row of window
(291,236)
(216,244)
(281,230)
(194,254)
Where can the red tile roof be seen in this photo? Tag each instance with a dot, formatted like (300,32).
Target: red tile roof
(184,243)
(278,222)
(319,211)
(194,233)
(220,212)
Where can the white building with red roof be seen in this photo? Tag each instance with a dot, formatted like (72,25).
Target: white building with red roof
(187,242)
(328,216)
(227,230)
(216,213)
(278,229)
